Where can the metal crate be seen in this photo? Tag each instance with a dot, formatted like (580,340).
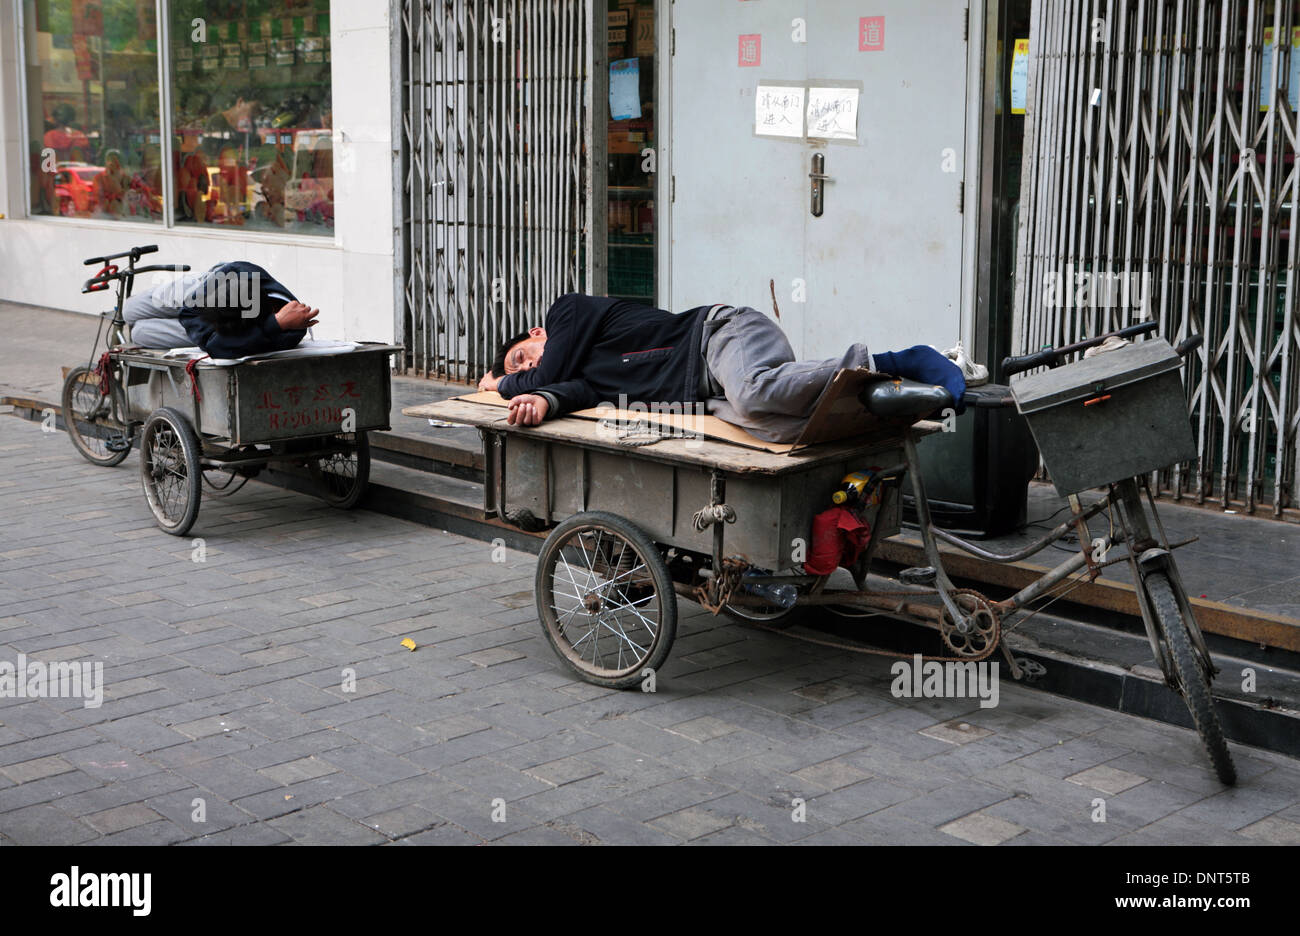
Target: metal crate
(1109,417)
(554,479)
(267,399)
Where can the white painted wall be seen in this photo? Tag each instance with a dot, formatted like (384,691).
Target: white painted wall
(349,277)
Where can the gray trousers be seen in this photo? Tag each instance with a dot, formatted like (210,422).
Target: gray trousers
(161,333)
(767,391)
(153,314)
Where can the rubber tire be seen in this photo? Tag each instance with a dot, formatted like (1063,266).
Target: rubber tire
(663,584)
(1192,678)
(353,495)
(189,442)
(75,377)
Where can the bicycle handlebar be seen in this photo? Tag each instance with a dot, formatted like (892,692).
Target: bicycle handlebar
(135,253)
(1050,357)
(101,279)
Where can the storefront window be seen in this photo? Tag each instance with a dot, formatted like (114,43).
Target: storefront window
(251,114)
(92,108)
(631,144)
(250,122)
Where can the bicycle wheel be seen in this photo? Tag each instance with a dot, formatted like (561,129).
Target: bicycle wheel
(1192,678)
(169,470)
(605,599)
(88,419)
(342,477)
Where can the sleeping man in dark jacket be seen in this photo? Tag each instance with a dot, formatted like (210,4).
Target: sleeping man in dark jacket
(232,310)
(595,350)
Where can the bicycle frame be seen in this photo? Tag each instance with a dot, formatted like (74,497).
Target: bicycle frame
(1143,553)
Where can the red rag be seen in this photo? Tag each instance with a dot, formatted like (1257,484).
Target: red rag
(838,538)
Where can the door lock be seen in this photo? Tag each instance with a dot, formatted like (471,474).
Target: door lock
(819,180)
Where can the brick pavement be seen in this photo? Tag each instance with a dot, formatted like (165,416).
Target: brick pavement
(228,697)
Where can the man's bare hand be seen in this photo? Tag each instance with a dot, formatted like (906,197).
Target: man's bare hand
(294,316)
(488,382)
(527,409)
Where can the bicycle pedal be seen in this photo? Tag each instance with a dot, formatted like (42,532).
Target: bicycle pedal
(918,575)
(117,443)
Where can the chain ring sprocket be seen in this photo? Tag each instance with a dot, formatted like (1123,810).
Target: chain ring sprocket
(982,638)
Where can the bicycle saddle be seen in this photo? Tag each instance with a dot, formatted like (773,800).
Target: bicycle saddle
(898,397)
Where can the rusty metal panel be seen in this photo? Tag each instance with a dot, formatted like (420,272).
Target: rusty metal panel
(292,398)
(1160,145)
(151,386)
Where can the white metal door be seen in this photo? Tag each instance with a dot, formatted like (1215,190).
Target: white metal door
(740,201)
(883,262)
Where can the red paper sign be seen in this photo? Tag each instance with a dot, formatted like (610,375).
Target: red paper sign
(750,51)
(871,34)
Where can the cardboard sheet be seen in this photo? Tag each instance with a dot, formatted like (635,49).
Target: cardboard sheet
(710,427)
(839,415)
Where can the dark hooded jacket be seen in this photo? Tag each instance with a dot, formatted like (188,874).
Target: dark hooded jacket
(598,349)
(260,335)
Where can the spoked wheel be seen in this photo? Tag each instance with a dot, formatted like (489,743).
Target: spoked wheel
(341,478)
(1193,680)
(169,470)
(87,414)
(605,599)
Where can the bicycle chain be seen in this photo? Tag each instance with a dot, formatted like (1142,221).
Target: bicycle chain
(894,654)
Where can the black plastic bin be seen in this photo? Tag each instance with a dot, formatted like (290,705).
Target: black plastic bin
(977,477)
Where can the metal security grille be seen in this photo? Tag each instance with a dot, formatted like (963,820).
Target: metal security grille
(1160,180)
(495,132)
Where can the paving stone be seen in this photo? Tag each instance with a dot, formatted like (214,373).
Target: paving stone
(704,728)
(402,821)
(36,769)
(320,825)
(1078,824)
(612,828)
(982,829)
(692,822)
(445,834)
(305,768)
(956,732)
(668,797)
(492,656)
(555,832)
(1273,830)
(121,817)
(832,690)
(303,795)
(562,771)
(1107,779)
(209,815)
(45,825)
(832,774)
(1237,807)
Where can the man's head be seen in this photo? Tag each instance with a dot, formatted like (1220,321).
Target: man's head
(522,352)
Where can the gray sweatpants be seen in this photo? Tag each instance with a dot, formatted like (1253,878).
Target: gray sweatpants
(153,314)
(766,390)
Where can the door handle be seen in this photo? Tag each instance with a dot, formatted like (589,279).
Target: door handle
(819,179)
